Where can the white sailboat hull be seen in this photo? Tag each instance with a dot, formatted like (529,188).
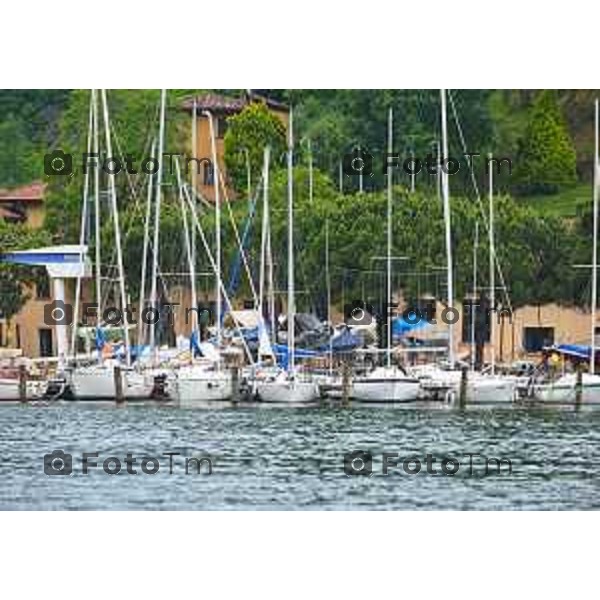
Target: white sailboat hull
(492,390)
(99,384)
(563,390)
(385,391)
(385,385)
(481,389)
(9,389)
(287,391)
(193,387)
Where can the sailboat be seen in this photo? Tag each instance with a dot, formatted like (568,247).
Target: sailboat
(564,389)
(205,379)
(288,386)
(98,381)
(481,388)
(491,388)
(10,389)
(389,383)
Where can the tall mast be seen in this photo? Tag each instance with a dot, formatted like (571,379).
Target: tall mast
(145,251)
(156,239)
(115,216)
(194,170)
(360,175)
(446,200)
(98,269)
(595,245)
(265,223)
(188,247)
(328,282)
(213,146)
(310,172)
(84,225)
(389,238)
(438,172)
(271,279)
(290,303)
(491,312)
(474,296)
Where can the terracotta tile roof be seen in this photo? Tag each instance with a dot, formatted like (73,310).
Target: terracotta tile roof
(223,104)
(31,192)
(215,103)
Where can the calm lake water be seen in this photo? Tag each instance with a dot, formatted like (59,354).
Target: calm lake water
(293,458)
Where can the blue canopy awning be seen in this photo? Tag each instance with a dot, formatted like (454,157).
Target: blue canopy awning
(574,350)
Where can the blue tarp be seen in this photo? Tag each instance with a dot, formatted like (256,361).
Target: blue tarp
(195,345)
(401,327)
(575,350)
(345,342)
(100,339)
(282,354)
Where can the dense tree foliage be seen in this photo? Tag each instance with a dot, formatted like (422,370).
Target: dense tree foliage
(248,133)
(12,277)
(536,251)
(546,160)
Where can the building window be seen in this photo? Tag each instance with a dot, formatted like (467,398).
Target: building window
(18,336)
(209,174)
(45,340)
(221,127)
(42,287)
(2,334)
(536,338)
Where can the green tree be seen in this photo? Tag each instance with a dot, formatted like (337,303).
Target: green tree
(546,159)
(134,122)
(248,134)
(14,279)
(20,160)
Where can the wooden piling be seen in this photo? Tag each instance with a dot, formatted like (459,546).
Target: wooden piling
(22,383)
(345,382)
(235,383)
(119,396)
(462,394)
(579,387)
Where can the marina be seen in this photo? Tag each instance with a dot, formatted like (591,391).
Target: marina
(258,335)
(255,352)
